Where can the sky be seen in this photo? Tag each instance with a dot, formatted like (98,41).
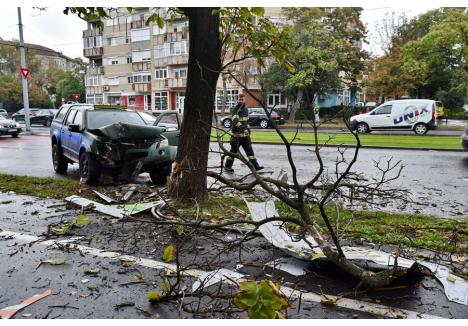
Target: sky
(53,29)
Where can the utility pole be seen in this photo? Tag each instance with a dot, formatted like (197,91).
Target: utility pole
(23,79)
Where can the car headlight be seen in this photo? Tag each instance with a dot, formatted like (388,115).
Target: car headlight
(164,142)
(18,125)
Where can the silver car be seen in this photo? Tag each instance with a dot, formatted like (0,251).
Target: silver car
(9,127)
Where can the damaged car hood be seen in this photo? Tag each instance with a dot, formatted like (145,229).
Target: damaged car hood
(120,130)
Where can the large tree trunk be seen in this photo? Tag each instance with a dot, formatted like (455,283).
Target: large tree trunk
(188,179)
(297,104)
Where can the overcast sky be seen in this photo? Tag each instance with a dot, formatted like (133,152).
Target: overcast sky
(63,33)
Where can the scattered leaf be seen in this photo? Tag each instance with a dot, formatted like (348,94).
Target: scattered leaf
(82,220)
(328,301)
(166,287)
(92,271)
(168,254)
(458,259)
(64,230)
(153,296)
(138,277)
(54,261)
(451,279)
(180,229)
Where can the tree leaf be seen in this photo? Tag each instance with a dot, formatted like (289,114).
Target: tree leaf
(153,296)
(54,261)
(166,287)
(168,254)
(92,271)
(328,301)
(82,220)
(180,229)
(64,230)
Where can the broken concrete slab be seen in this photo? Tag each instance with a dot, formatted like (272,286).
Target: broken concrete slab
(105,197)
(456,288)
(216,276)
(290,265)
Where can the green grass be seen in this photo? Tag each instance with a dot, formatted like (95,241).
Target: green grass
(39,187)
(405,141)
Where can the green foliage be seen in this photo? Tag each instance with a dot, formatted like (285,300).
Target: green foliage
(168,254)
(166,287)
(261,300)
(82,220)
(153,296)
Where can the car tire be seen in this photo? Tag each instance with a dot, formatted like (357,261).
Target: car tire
(227,123)
(420,129)
(58,160)
(264,124)
(47,123)
(14,135)
(159,175)
(90,169)
(362,128)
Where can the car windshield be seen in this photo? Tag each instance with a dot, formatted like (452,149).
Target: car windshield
(148,117)
(101,118)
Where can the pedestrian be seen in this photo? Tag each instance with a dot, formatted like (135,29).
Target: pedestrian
(317,113)
(241,135)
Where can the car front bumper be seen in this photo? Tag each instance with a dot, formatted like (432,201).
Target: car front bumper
(10,131)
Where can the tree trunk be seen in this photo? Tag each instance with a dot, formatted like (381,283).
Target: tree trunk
(297,104)
(188,179)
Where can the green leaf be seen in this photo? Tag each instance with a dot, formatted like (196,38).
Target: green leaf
(65,229)
(153,296)
(180,229)
(82,220)
(168,254)
(54,261)
(166,287)
(260,300)
(92,271)
(451,279)
(258,11)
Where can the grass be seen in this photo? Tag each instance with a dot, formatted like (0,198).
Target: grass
(378,227)
(404,141)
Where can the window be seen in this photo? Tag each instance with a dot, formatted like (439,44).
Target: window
(179,27)
(161,73)
(94,99)
(139,56)
(180,73)
(112,41)
(159,31)
(387,109)
(70,117)
(140,78)
(231,98)
(61,114)
(139,35)
(78,119)
(160,100)
(276,99)
(177,48)
(131,100)
(113,61)
(129,59)
(92,42)
(344,97)
(92,81)
(161,50)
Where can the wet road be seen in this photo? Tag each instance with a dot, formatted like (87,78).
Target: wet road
(438,180)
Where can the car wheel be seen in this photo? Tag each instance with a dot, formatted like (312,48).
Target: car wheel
(159,176)
(14,135)
(90,170)
(362,128)
(58,160)
(264,124)
(420,129)
(227,123)
(47,123)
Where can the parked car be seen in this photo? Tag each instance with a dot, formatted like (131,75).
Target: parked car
(109,140)
(417,115)
(257,117)
(19,116)
(440,110)
(3,112)
(464,137)
(9,127)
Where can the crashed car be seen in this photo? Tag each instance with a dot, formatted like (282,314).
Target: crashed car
(106,139)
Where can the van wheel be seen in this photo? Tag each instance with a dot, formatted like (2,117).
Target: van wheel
(159,175)
(362,128)
(420,129)
(264,124)
(227,123)
(90,170)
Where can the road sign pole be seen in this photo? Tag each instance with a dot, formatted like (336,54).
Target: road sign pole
(23,80)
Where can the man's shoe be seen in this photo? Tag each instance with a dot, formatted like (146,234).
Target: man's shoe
(258,168)
(228,169)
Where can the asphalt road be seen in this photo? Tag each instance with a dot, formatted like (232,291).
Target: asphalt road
(437,180)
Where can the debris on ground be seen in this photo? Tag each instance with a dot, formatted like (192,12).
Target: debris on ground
(8,312)
(213,277)
(456,288)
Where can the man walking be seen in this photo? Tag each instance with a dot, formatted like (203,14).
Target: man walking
(241,135)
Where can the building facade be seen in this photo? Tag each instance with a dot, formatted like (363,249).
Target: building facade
(145,67)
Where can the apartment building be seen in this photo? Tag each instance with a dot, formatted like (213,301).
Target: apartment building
(145,67)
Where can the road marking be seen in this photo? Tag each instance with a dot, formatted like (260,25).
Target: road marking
(357,305)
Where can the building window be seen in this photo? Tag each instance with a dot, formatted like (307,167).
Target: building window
(139,56)
(344,98)
(160,100)
(161,73)
(113,61)
(180,73)
(159,31)
(176,48)
(140,78)
(232,95)
(139,35)
(276,100)
(94,99)
(113,41)
(179,27)
(129,59)
(131,100)
(92,81)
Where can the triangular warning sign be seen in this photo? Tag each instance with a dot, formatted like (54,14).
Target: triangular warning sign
(25,72)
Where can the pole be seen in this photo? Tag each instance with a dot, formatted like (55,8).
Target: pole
(23,80)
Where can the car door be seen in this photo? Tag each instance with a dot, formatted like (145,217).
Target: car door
(65,133)
(254,116)
(381,117)
(74,138)
(172,122)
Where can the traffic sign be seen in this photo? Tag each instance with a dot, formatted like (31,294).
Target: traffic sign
(76,96)
(25,72)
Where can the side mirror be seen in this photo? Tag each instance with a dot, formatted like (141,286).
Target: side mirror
(74,128)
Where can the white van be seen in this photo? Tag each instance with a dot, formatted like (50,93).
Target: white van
(417,115)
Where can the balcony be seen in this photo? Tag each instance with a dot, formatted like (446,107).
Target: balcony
(92,32)
(170,83)
(141,87)
(93,52)
(141,66)
(180,59)
(95,70)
